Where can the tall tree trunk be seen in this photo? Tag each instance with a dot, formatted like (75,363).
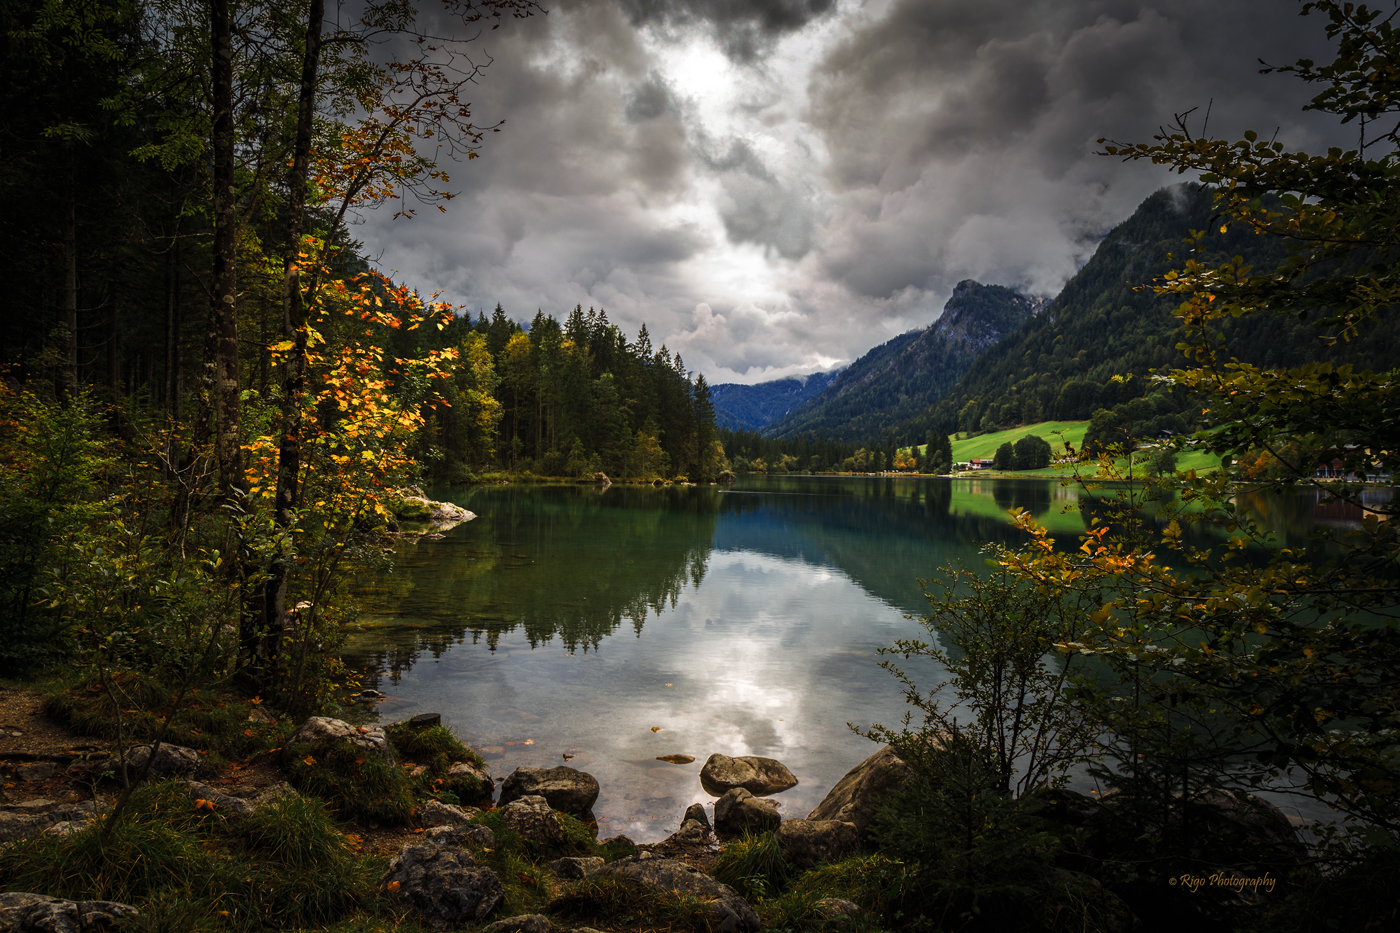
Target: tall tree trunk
(70,285)
(223,318)
(172,328)
(294,326)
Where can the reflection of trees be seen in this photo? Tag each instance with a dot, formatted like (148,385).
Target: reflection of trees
(1034,497)
(881,532)
(555,562)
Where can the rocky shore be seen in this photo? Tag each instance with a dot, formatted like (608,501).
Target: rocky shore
(438,869)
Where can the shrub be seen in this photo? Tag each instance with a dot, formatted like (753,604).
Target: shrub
(754,866)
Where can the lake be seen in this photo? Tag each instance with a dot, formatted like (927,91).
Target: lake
(615,625)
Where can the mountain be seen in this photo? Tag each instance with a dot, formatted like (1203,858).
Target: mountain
(903,377)
(753,407)
(1067,362)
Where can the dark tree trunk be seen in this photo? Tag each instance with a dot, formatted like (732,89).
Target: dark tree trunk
(223,318)
(294,326)
(70,286)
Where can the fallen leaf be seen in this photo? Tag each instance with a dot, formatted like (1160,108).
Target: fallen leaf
(510,743)
(529,741)
(359,759)
(393,886)
(308,761)
(676,759)
(655,728)
(670,685)
(255,700)
(248,733)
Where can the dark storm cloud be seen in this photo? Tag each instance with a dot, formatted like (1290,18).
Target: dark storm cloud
(962,135)
(869,157)
(744,28)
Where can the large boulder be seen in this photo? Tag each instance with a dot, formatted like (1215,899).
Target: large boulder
(370,739)
(568,790)
(739,811)
(37,913)
(856,796)
(732,914)
(758,776)
(806,843)
(443,884)
(533,819)
(170,760)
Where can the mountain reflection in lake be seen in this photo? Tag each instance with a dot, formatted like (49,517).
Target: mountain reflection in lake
(619,625)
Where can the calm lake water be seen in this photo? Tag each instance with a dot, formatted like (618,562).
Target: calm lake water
(621,624)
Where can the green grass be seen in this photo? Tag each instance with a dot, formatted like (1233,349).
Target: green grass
(357,785)
(984,447)
(289,866)
(213,722)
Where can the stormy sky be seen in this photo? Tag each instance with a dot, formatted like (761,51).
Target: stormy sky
(776,186)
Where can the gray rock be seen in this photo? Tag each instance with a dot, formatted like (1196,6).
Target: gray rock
(533,819)
(443,884)
(525,923)
(64,828)
(37,913)
(21,819)
(170,760)
(462,768)
(369,738)
(461,835)
(572,869)
(838,914)
(424,721)
(568,790)
(696,812)
(691,832)
(856,796)
(230,805)
(620,842)
(739,811)
(758,776)
(224,803)
(732,914)
(37,771)
(437,813)
(806,843)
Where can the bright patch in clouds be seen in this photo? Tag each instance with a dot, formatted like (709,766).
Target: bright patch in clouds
(776,186)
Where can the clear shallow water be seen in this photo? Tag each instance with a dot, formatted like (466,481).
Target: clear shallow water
(623,624)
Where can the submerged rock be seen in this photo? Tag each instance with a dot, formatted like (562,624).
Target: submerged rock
(568,790)
(758,776)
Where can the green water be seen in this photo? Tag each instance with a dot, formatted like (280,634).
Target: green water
(617,625)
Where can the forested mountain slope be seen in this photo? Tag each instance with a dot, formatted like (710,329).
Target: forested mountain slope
(1062,363)
(903,377)
(753,407)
